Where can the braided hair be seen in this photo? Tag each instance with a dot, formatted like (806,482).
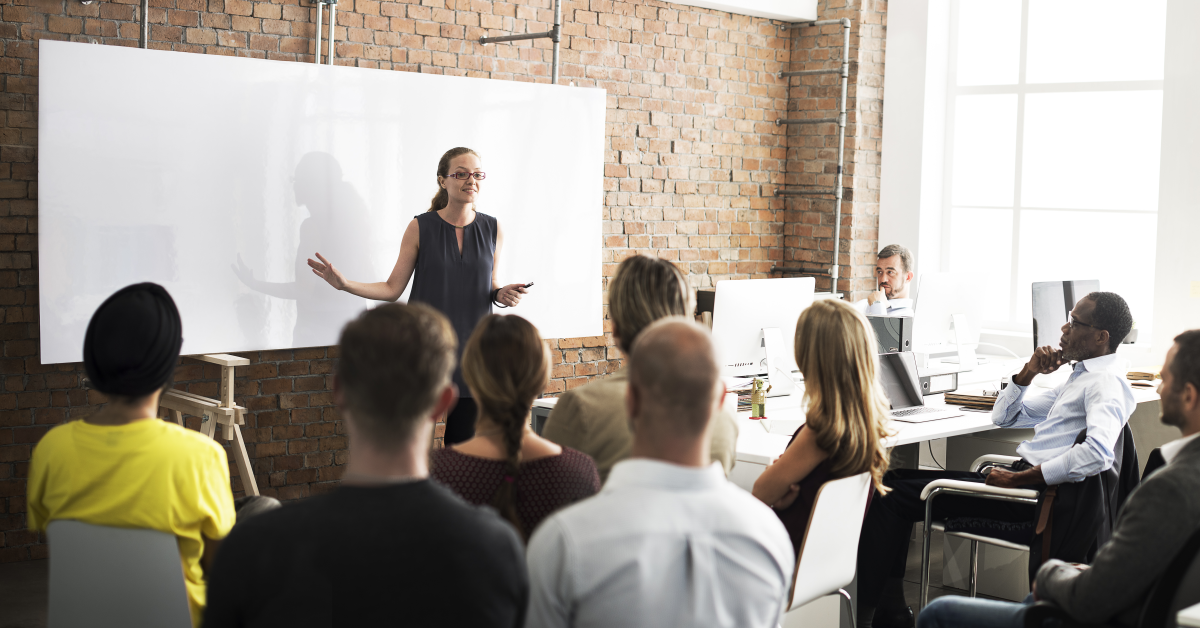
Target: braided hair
(507,365)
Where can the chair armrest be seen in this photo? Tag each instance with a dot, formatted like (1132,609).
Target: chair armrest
(976,487)
(982,460)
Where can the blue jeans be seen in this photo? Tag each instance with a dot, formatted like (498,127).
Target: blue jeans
(953,611)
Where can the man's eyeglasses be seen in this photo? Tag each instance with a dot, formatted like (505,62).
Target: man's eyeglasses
(1078,323)
(463,176)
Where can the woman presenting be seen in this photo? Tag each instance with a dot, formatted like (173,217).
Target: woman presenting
(453,250)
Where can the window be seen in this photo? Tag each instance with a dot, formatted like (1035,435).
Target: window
(1053,124)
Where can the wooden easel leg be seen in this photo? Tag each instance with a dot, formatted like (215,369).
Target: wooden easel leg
(243,461)
(178,416)
(208,426)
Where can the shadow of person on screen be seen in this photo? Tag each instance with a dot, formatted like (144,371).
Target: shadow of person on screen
(338,223)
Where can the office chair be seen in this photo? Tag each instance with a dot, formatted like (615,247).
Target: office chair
(828,554)
(105,577)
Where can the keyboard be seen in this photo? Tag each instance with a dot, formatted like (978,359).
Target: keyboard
(917,410)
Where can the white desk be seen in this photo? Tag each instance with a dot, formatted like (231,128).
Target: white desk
(1189,617)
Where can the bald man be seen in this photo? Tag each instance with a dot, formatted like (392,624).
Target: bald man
(667,541)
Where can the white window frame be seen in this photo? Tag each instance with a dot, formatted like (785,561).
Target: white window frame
(1016,321)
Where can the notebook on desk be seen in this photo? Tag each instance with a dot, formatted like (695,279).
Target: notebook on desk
(903,387)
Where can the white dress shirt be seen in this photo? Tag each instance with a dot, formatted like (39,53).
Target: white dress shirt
(1096,396)
(660,545)
(1172,449)
(886,307)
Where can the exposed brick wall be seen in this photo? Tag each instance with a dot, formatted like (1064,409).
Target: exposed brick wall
(692,160)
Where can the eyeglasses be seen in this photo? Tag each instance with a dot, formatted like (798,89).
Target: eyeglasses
(463,176)
(1078,323)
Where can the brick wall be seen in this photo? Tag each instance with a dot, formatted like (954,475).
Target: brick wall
(692,160)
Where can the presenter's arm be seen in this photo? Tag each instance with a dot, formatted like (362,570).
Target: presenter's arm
(509,295)
(389,290)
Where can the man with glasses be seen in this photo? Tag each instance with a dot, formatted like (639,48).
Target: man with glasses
(1096,398)
(893,277)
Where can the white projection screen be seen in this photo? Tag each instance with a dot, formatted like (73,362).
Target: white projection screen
(217,177)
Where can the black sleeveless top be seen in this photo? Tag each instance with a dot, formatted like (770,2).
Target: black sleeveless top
(457,285)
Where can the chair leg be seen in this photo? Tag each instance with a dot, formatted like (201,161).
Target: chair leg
(973,585)
(849,606)
(927,534)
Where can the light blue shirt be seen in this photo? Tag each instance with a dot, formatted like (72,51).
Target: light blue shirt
(661,545)
(1096,396)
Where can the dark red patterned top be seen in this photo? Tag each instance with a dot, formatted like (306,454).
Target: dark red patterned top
(543,486)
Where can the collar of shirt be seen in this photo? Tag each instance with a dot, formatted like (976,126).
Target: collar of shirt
(1111,363)
(1172,449)
(656,474)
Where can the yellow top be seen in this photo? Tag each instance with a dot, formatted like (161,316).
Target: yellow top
(146,474)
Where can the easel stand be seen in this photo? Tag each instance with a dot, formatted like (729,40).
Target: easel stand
(213,412)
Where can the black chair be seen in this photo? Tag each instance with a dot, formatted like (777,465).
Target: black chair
(1176,589)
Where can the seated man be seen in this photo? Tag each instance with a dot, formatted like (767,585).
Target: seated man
(1157,520)
(383,547)
(1096,398)
(123,467)
(668,541)
(893,279)
(592,418)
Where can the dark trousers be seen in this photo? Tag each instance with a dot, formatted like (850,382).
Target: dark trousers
(460,422)
(883,546)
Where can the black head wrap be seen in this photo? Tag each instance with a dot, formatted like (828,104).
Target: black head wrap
(133,341)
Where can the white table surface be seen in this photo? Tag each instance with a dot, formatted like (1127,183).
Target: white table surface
(760,442)
(1189,617)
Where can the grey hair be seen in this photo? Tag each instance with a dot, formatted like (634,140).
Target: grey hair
(906,256)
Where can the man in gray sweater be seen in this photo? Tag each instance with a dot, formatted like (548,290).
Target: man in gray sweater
(1156,522)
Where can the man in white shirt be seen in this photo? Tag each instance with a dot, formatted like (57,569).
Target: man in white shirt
(893,278)
(1153,528)
(667,541)
(1096,398)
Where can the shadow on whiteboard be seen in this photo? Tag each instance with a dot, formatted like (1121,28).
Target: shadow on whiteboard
(338,227)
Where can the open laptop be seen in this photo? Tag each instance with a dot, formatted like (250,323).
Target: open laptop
(903,387)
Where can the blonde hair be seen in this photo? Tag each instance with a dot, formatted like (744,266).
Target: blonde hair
(443,170)
(507,366)
(847,408)
(644,290)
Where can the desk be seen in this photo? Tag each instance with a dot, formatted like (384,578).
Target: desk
(760,442)
(1189,617)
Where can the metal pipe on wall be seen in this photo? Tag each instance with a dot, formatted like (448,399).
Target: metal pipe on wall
(555,35)
(317,56)
(330,39)
(841,121)
(145,23)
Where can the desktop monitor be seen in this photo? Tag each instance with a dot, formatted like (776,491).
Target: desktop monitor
(1052,304)
(898,374)
(940,296)
(743,308)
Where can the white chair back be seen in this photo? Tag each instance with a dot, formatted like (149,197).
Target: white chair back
(829,553)
(105,577)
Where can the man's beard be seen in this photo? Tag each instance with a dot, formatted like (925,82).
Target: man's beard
(1170,410)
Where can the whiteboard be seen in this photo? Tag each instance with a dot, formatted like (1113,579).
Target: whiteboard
(217,177)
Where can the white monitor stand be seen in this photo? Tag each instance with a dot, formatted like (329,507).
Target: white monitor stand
(780,380)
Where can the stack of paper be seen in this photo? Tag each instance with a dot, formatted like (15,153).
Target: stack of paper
(1144,374)
(978,399)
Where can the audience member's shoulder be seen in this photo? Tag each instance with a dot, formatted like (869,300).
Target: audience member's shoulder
(601,390)
(188,439)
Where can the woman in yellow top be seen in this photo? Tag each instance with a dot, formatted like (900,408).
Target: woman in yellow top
(122,467)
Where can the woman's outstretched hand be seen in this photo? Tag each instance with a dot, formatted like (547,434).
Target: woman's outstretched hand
(510,295)
(325,270)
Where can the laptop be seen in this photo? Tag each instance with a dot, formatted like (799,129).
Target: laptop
(903,387)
